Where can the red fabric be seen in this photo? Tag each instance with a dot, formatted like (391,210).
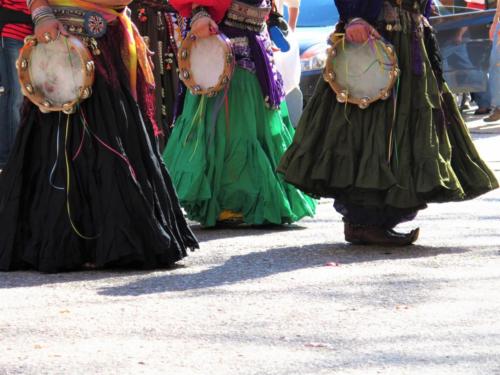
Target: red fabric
(475,4)
(217,8)
(16,31)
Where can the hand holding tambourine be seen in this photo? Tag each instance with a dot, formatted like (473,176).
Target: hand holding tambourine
(360,31)
(204,27)
(49,30)
(55,75)
(361,67)
(206,59)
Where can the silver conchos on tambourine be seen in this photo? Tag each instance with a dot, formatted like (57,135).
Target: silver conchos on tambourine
(56,76)
(206,65)
(361,74)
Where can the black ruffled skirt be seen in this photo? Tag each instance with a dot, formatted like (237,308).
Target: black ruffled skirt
(91,187)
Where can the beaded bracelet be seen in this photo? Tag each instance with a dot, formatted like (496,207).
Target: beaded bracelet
(42,14)
(198,15)
(358,21)
(355,19)
(40,11)
(197,10)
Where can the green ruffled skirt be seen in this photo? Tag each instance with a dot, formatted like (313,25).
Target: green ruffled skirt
(345,152)
(222,155)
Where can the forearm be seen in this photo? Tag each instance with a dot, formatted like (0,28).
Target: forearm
(41,12)
(293,14)
(47,27)
(37,4)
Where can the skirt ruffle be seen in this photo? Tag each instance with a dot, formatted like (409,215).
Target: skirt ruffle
(96,193)
(223,155)
(350,154)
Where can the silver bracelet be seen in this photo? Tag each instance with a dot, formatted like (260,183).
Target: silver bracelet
(40,11)
(42,14)
(48,17)
(356,20)
(197,16)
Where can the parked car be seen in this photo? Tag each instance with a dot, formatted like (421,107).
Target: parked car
(462,34)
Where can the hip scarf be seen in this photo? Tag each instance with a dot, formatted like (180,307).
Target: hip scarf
(95,17)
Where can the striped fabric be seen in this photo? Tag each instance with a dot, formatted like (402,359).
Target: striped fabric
(15,31)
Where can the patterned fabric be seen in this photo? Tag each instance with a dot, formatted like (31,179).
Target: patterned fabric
(243,53)
(16,31)
(136,52)
(248,17)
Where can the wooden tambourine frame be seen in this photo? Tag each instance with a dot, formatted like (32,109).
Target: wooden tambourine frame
(186,74)
(343,95)
(36,96)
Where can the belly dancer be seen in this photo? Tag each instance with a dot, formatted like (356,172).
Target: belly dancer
(224,150)
(89,190)
(385,163)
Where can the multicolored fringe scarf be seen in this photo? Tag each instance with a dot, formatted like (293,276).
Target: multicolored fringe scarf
(136,52)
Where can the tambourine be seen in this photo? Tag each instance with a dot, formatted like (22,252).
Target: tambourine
(56,76)
(206,65)
(361,74)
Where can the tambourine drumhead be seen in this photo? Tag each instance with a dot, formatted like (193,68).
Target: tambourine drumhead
(57,75)
(361,73)
(206,64)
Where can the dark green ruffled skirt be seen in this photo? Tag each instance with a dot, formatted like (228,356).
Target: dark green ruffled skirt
(342,151)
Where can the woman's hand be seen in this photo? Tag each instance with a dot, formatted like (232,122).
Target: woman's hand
(360,31)
(49,30)
(204,27)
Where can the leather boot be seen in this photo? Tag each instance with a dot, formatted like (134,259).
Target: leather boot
(373,235)
(495,116)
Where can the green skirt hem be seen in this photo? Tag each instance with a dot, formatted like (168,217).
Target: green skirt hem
(227,159)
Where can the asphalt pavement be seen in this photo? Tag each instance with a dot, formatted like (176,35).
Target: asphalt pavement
(277,301)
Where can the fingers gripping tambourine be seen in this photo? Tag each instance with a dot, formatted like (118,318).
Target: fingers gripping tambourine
(56,76)
(206,65)
(361,73)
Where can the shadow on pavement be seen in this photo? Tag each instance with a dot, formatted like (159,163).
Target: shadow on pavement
(262,264)
(26,279)
(206,234)
(19,279)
